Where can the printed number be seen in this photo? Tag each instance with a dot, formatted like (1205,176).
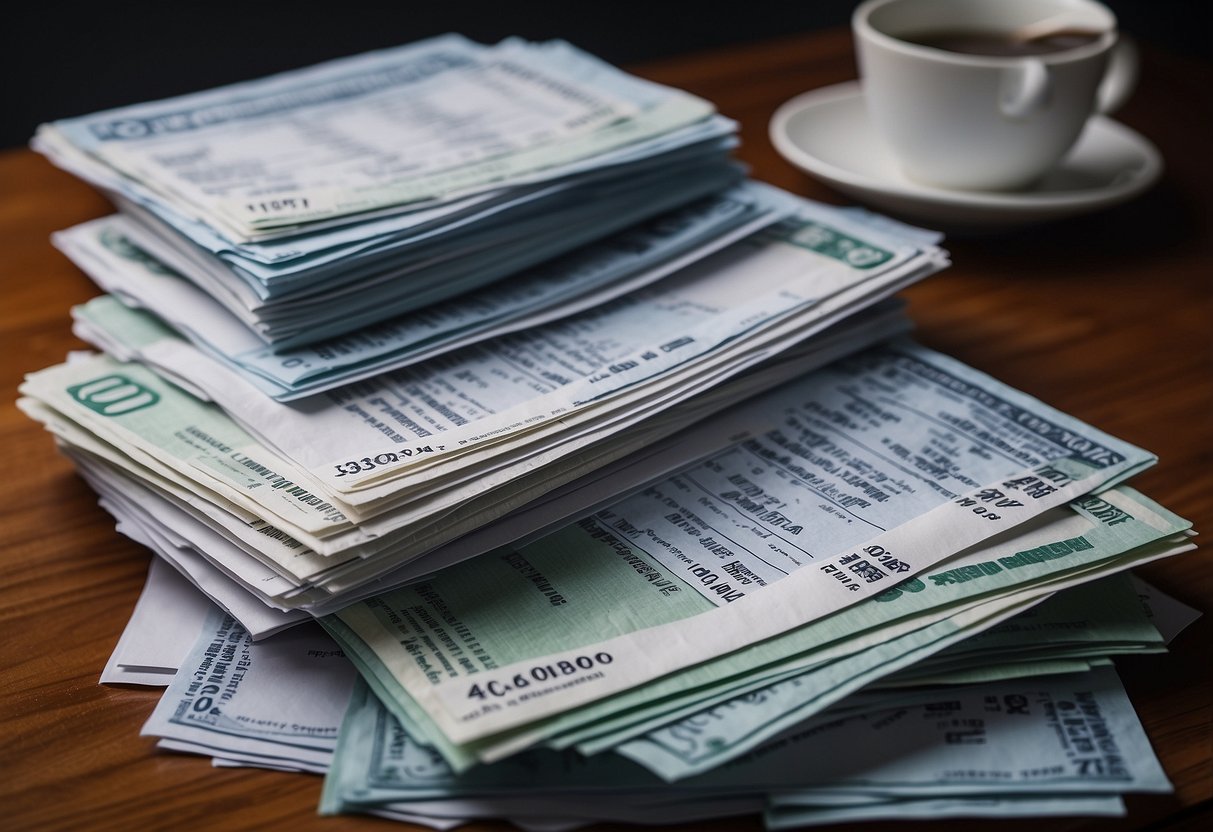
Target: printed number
(370,464)
(206,698)
(539,673)
(366,464)
(273,206)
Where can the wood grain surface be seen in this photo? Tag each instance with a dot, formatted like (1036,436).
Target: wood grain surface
(1108,317)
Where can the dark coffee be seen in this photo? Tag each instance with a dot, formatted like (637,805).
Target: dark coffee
(1001,44)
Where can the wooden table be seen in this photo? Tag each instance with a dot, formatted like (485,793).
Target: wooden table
(1107,317)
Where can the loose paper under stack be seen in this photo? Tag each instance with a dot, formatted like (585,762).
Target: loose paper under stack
(1010,742)
(627,534)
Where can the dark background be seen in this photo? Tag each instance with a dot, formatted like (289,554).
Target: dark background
(59,59)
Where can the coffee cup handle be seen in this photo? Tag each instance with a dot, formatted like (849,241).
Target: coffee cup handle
(1120,78)
(1023,89)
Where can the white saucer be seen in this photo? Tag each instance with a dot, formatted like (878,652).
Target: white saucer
(826,133)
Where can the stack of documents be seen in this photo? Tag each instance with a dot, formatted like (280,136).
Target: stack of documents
(630,534)
(897,475)
(314,203)
(983,727)
(312,503)
(584,278)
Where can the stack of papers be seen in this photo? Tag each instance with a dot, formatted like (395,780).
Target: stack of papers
(312,503)
(582,279)
(631,534)
(1005,735)
(312,204)
(897,475)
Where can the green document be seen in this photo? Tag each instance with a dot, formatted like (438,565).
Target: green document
(467,606)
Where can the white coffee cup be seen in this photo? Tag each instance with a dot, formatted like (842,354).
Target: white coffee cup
(981,122)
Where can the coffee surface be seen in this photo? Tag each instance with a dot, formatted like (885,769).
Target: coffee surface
(1000,44)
